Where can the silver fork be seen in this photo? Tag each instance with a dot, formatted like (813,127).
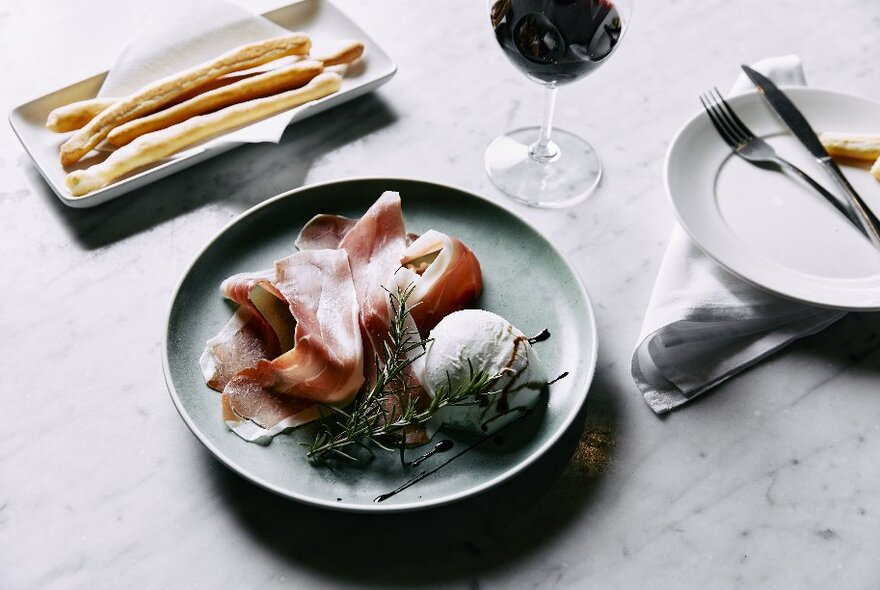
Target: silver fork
(757,151)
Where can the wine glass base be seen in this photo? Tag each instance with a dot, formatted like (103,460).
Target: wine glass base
(562,181)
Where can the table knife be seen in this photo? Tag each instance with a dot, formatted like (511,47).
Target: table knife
(794,120)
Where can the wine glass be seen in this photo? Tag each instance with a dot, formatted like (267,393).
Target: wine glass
(553,42)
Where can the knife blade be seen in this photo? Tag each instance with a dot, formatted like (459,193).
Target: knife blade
(790,115)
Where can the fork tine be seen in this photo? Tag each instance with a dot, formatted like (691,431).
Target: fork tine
(734,131)
(725,134)
(721,130)
(736,121)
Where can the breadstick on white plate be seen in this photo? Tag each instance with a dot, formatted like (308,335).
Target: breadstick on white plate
(76,115)
(265,84)
(161,93)
(152,147)
(344,54)
(851,145)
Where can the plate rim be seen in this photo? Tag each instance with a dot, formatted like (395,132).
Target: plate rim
(674,143)
(590,368)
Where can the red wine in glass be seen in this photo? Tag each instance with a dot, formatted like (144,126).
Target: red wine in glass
(557,40)
(553,42)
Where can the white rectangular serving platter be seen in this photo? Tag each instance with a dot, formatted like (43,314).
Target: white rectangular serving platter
(319,18)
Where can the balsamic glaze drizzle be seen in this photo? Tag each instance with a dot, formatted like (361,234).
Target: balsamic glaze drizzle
(561,376)
(441,447)
(424,474)
(540,336)
(445,445)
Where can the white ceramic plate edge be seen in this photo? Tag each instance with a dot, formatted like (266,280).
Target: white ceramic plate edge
(683,224)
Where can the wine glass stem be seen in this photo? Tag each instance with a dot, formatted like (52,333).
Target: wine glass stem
(544,150)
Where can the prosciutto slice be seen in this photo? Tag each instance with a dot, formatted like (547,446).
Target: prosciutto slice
(445,276)
(327,231)
(325,365)
(324,231)
(445,273)
(240,344)
(262,328)
(373,246)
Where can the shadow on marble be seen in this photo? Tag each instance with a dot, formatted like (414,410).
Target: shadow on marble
(849,341)
(457,542)
(853,341)
(244,176)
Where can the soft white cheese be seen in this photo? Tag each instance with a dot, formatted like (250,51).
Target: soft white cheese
(477,340)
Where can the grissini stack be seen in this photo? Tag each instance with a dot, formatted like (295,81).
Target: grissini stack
(161,93)
(77,114)
(154,146)
(255,86)
(265,84)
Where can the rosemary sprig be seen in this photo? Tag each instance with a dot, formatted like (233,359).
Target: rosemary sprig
(381,415)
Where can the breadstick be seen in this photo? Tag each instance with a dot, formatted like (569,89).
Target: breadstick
(345,54)
(875,169)
(851,145)
(152,147)
(265,84)
(76,114)
(159,94)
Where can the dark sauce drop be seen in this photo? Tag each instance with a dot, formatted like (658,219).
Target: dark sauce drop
(540,336)
(562,376)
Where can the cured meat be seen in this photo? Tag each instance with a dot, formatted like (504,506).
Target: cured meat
(445,276)
(307,331)
(373,246)
(325,365)
(262,328)
(238,346)
(324,231)
(327,231)
(444,273)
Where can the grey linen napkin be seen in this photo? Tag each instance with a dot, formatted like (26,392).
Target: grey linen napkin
(703,325)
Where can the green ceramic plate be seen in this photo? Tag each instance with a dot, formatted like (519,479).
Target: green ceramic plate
(525,280)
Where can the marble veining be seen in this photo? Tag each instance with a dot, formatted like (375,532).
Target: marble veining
(770,481)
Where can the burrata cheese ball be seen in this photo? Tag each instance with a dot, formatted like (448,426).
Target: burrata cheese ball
(471,341)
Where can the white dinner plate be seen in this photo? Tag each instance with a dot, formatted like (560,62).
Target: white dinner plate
(319,18)
(766,227)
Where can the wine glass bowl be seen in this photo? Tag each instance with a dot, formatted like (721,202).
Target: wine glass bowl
(553,42)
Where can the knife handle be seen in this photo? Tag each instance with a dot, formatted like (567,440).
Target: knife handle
(867,219)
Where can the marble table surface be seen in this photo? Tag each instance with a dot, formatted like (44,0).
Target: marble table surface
(769,481)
